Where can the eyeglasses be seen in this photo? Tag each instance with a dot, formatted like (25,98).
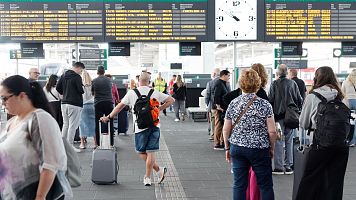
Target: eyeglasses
(36,73)
(4,99)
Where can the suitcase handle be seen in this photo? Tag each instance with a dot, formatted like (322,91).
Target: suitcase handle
(100,133)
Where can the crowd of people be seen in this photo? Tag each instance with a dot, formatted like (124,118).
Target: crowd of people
(244,123)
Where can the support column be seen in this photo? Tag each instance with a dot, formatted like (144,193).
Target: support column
(208,56)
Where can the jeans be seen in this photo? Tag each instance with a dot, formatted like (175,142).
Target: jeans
(147,140)
(352,103)
(260,160)
(279,150)
(179,105)
(71,120)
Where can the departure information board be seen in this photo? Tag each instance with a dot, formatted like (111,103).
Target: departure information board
(296,20)
(51,21)
(103,20)
(156,20)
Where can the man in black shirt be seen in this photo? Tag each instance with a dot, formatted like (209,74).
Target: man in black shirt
(292,74)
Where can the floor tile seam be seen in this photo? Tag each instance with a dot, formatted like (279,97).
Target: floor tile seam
(165,158)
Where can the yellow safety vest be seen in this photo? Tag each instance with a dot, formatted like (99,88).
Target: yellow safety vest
(160,85)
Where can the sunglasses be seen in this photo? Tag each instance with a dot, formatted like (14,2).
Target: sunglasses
(4,99)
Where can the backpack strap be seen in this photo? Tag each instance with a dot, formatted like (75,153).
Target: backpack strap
(150,93)
(137,92)
(321,97)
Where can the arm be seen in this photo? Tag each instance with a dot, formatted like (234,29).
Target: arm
(175,88)
(271,128)
(59,86)
(169,101)
(114,112)
(217,96)
(208,93)
(46,180)
(226,133)
(307,112)
(80,85)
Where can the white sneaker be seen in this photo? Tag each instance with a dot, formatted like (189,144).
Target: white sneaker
(77,150)
(176,120)
(147,181)
(162,174)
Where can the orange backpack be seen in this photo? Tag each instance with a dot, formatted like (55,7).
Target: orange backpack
(154,104)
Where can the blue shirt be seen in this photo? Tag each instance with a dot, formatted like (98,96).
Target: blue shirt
(251,131)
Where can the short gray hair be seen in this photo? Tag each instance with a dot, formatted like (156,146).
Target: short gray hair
(282,70)
(144,77)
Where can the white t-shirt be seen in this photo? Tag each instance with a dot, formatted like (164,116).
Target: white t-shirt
(131,97)
(50,97)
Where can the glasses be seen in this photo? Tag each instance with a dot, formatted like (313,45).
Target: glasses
(36,73)
(4,99)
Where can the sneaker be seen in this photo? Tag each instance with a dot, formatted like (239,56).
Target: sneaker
(351,145)
(278,172)
(211,138)
(288,171)
(162,174)
(176,120)
(82,147)
(219,147)
(147,181)
(77,150)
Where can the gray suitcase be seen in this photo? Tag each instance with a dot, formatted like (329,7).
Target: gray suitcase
(104,164)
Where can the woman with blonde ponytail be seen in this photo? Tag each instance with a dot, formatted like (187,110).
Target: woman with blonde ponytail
(349,90)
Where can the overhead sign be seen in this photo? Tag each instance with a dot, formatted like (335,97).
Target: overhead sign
(94,64)
(90,54)
(292,64)
(15,54)
(348,48)
(32,50)
(119,48)
(189,49)
(292,48)
(278,54)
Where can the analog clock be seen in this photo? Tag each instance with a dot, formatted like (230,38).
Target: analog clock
(236,19)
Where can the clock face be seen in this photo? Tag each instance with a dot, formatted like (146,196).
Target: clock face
(236,19)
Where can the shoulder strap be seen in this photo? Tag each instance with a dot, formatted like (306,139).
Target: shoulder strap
(243,112)
(321,97)
(150,93)
(137,92)
(53,95)
(353,85)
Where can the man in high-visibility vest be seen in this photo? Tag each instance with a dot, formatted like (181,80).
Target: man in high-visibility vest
(160,85)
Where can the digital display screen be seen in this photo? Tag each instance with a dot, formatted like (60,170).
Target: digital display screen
(103,20)
(156,20)
(51,21)
(295,20)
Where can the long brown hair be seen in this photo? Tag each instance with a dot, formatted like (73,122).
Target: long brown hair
(325,76)
(179,81)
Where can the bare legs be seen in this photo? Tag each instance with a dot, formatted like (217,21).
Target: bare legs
(151,163)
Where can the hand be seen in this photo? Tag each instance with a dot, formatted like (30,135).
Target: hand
(271,152)
(227,156)
(105,119)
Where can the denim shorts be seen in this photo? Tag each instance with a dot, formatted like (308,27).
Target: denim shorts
(147,140)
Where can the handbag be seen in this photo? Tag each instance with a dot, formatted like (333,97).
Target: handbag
(73,172)
(291,117)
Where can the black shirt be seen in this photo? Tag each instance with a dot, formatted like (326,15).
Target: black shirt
(301,86)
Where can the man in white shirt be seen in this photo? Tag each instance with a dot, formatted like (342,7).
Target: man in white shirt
(146,140)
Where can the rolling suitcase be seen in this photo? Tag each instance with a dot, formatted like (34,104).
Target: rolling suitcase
(122,122)
(300,152)
(104,160)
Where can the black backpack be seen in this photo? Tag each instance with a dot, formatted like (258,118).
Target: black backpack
(332,123)
(142,110)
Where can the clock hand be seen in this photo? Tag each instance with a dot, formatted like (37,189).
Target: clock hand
(231,15)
